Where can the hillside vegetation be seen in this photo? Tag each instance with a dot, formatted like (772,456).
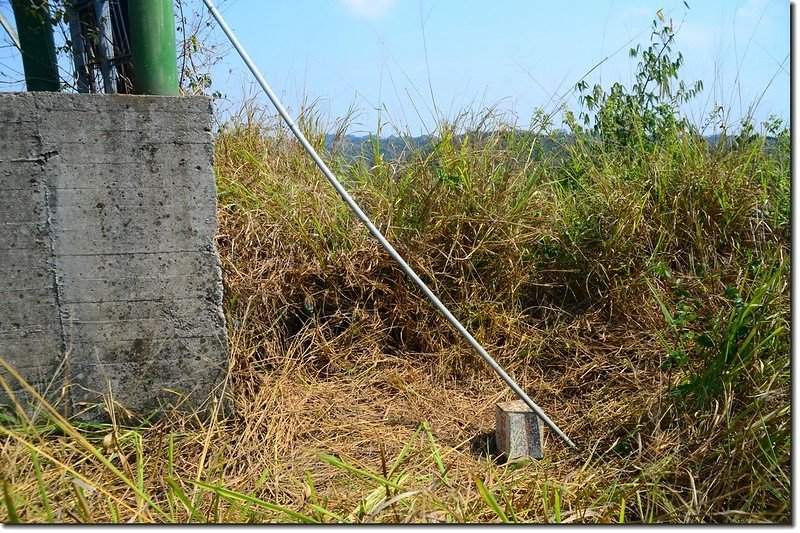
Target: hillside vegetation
(632,276)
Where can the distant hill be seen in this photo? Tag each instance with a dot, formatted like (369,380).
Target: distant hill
(351,147)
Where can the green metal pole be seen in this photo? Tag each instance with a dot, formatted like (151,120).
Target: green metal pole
(37,46)
(153,54)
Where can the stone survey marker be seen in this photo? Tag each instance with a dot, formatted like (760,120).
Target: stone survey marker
(109,278)
(518,432)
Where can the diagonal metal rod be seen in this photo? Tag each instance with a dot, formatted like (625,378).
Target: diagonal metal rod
(10,31)
(376,233)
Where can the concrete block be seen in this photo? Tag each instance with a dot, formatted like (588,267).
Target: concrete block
(108,272)
(518,431)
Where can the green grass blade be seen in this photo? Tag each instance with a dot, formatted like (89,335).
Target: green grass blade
(404,452)
(436,455)
(327,512)
(13,517)
(338,463)
(491,501)
(70,430)
(234,513)
(37,470)
(82,504)
(510,507)
(67,468)
(237,496)
(114,512)
(171,473)
(313,496)
(178,491)
(557,504)
(215,509)
(137,439)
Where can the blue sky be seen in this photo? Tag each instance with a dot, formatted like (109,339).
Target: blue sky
(417,60)
(406,55)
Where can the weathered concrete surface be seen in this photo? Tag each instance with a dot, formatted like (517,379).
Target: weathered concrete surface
(518,432)
(108,272)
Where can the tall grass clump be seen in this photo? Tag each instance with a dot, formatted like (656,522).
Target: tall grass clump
(630,273)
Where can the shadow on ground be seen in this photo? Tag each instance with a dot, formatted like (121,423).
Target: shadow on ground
(484,445)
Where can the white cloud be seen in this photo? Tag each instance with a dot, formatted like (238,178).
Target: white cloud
(369,9)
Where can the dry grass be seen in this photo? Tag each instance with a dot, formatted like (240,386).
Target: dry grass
(352,400)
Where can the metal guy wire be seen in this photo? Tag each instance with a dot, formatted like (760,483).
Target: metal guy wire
(375,232)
